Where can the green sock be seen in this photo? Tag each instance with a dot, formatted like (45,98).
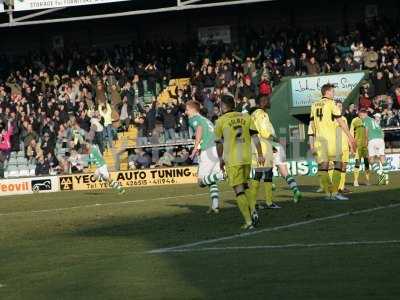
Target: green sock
(214,196)
(292,183)
(212,179)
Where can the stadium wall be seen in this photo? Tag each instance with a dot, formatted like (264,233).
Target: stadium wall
(148,178)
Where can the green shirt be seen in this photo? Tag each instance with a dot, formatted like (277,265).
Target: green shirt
(207,135)
(96,157)
(374,129)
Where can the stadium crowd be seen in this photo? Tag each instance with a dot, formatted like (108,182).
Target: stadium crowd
(58,99)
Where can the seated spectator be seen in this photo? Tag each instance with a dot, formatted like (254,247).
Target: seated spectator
(139,160)
(166,159)
(42,167)
(182,158)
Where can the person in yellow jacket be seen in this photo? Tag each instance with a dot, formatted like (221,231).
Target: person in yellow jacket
(105,112)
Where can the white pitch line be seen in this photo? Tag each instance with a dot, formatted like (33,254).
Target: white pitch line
(272,247)
(250,233)
(96,205)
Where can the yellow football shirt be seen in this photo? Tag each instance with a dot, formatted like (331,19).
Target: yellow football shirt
(357,129)
(266,132)
(323,115)
(233,129)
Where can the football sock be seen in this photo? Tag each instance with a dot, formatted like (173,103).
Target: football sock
(376,167)
(356,173)
(324,181)
(244,207)
(251,194)
(342,180)
(292,183)
(214,196)
(367,175)
(212,178)
(336,181)
(116,185)
(385,168)
(268,193)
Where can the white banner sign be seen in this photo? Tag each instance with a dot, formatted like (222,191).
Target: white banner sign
(215,34)
(307,90)
(21,186)
(44,4)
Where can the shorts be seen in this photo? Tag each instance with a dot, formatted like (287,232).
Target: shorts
(362,151)
(328,151)
(208,162)
(102,173)
(238,175)
(345,156)
(279,155)
(376,147)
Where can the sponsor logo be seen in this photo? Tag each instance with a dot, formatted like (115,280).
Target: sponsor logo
(14,187)
(66,183)
(41,185)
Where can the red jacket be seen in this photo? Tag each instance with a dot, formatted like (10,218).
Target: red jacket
(364,103)
(5,143)
(265,88)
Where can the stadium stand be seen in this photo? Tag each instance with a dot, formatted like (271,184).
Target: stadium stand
(61,98)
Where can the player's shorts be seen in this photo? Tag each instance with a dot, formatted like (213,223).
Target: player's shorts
(238,175)
(362,151)
(345,156)
(328,150)
(279,155)
(376,147)
(102,173)
(208,162)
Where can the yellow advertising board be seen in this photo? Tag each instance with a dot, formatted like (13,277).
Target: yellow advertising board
(136,178)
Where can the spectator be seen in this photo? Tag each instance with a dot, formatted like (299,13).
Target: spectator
(105,113)
(313,67)
(371,58)
(33,151)
(75,161)
(42,167)
(168,115)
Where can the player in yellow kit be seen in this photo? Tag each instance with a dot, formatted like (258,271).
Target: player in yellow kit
(357,129)
(266,133)
(234,133)
(327,124)
(345,152)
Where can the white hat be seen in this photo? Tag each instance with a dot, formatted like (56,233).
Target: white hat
(377,115)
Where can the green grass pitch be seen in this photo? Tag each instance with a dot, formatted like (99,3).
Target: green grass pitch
(158,243)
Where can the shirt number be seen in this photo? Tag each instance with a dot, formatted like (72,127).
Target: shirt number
(319,113)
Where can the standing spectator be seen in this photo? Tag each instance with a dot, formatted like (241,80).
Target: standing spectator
(105,113)
(371,58)
(169,113)
(381,83)
(313,67)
